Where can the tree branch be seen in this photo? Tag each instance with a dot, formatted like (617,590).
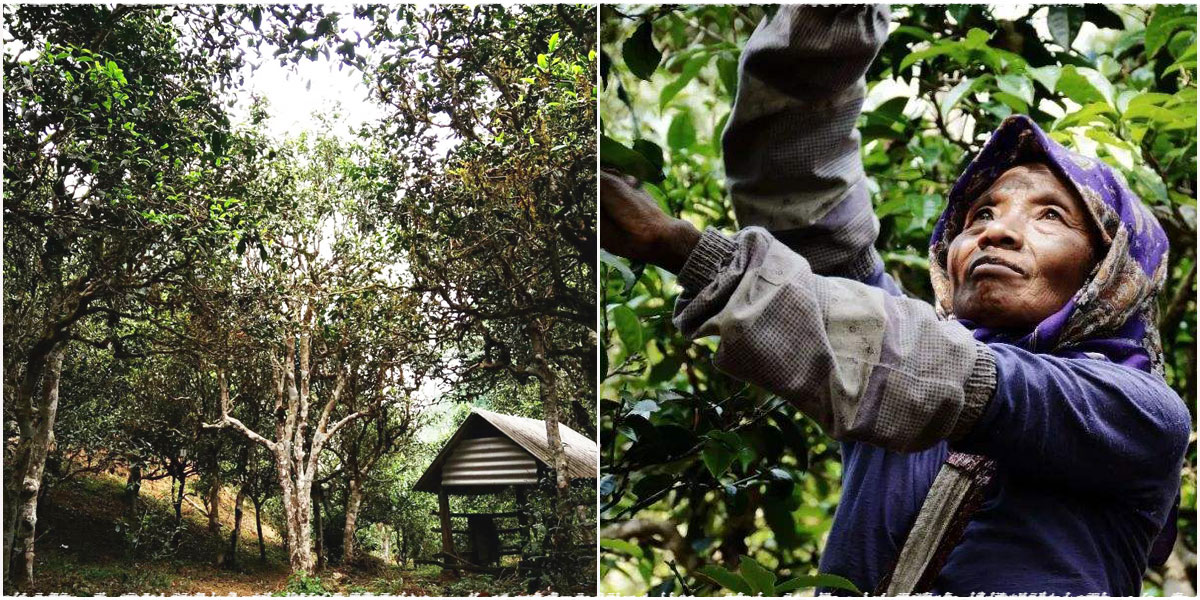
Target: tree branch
(663,534)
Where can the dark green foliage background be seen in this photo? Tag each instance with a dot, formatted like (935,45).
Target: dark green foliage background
(737,472)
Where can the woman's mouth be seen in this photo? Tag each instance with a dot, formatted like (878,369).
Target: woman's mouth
(993,265)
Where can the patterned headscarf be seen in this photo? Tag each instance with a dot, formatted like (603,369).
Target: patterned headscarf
(1114,313)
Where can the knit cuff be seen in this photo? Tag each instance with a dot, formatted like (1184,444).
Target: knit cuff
(711,253)
(977,391)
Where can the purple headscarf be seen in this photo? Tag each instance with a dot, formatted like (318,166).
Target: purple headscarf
(1114,313)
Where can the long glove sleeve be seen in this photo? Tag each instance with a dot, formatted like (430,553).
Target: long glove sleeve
(791,148)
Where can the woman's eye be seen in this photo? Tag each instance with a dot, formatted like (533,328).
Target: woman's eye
(1053,215)
(983,214)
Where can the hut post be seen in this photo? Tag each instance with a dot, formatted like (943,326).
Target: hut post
(447,534)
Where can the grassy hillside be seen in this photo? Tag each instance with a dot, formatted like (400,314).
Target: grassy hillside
(90,546)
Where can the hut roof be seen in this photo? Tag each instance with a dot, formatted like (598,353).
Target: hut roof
(582,454)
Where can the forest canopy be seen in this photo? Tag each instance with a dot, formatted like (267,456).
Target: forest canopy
(709,485)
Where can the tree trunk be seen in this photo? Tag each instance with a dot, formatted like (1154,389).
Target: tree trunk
(237,526)
(449,556)
(550,403)
(181,477)
(214,500)
(133,486)
(316,507)
(297,509)
(296,454)
(24,525)
(262,545)
(387,541)
(353,503)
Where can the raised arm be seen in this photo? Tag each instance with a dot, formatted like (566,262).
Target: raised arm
(791,148)
(883,369)
(868,366)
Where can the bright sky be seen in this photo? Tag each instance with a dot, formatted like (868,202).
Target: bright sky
(296,91)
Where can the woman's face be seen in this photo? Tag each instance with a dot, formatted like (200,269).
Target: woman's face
(1027,245)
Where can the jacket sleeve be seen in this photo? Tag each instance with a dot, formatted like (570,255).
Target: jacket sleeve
(1089,424)
(791,148)
(868,366)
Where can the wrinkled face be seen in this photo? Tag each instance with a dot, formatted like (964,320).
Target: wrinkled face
(1027,245)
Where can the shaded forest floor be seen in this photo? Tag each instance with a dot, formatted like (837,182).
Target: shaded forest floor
(89,546)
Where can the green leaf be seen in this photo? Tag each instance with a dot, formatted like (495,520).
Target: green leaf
(1185,63)
(1089,113)
(623,547)
(781,522)
(682,132)
(644,408)
(779,474)
(745,455)
(552,45)
(954,95)
(1181,42)
(651,151)
(727,68)
(631,162)
(1017,85)
(1047,76)
(1106,137)
(815,581)
(937,50)
(1012,101)
(725,578)
(718,131)
(628,328)
(977,38)
(760,579)
(617,263)
(889,112)
(1163,23)
(916,32)
(1064,22)
(639,52)
(664,370)
(717,458)
(1128,41)
(686,75)
(542,62)
(1084,85)
(1150,105)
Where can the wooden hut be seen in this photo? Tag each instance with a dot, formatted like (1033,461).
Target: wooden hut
(489,453)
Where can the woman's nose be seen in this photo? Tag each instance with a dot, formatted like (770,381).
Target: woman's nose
(1002,233)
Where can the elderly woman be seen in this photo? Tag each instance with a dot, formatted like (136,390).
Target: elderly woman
(1038,364)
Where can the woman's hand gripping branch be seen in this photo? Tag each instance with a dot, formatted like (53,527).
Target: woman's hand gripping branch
(632,225)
